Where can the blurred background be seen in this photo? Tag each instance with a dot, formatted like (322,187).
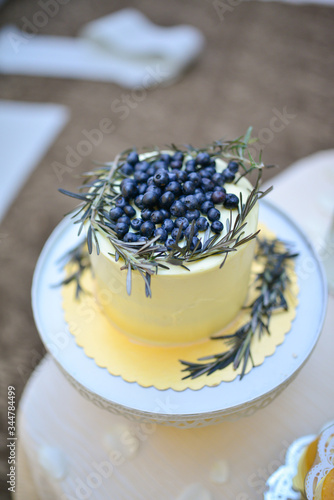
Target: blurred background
(106,86)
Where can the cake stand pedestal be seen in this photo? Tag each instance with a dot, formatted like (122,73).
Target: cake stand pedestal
(62,436)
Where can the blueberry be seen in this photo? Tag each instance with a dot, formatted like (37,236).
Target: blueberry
(208,195)
(191,229)
(228,175)
(231,201)
(162,233)
(157,217)
(121,202)
(190,167)
(161,178)
(202,224)
(147,229)
(182,198)
(213,164)
(207,184)
(132,158)
(165,214)
(174,187)
(143,238)
(176,164)
(188,187)
(129,211)
(129,188)
(166,158)
(115,213)
(150,171)
(131,237)
(125,219)
(178,156)
(213,214)
(205,207)
(150,181)
(183,221)
(167,199)
(203,159)
(219,188)
(141,166)
(173,175)
(233,166)
(218,197)
(146,214)
(150,199)
(218,179)
(141,176)
(192,215)
(160,165)
(200,198)
(217,226)
(139,201)
(169,243)
(168,224)
(206,172)
(210,170)
(192,162)
(195,243)
(178,209)
(191,202)
(175,232)
(121,229)
(142,188)
(136,224)
(127,169)
(182,176)
(195,178)
(154,189)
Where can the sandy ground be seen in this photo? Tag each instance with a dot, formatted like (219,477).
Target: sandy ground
(261,60)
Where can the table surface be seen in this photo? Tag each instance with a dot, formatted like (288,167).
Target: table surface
(255,446)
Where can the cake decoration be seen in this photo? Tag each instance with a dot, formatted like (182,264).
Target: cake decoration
(272,281)
(152,207)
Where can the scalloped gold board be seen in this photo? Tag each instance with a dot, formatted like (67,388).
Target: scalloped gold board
(159,366)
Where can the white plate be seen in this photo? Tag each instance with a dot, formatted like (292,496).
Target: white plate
(189,407)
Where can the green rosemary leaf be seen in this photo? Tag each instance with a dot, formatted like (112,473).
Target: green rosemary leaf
(129,280)
(89,239)
(73,195)
(272,283)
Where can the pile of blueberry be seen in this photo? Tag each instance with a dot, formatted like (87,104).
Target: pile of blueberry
(171,193)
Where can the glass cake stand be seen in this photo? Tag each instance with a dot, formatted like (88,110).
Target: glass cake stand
(188,408)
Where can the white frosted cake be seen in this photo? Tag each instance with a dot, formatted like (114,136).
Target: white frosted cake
(171,242)
(186,305)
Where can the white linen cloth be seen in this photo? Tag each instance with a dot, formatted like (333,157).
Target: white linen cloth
(123,47)
(27,130)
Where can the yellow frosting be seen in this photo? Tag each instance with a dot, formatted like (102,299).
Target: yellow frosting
(186,306)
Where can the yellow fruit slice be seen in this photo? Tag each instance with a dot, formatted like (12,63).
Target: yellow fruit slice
(304,465)
(327,492)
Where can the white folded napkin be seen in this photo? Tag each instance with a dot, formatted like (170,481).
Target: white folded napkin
(27,130)
(124,47)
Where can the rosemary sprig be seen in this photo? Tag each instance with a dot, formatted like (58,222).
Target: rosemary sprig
(272,283)
(79,258)
(101,190)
